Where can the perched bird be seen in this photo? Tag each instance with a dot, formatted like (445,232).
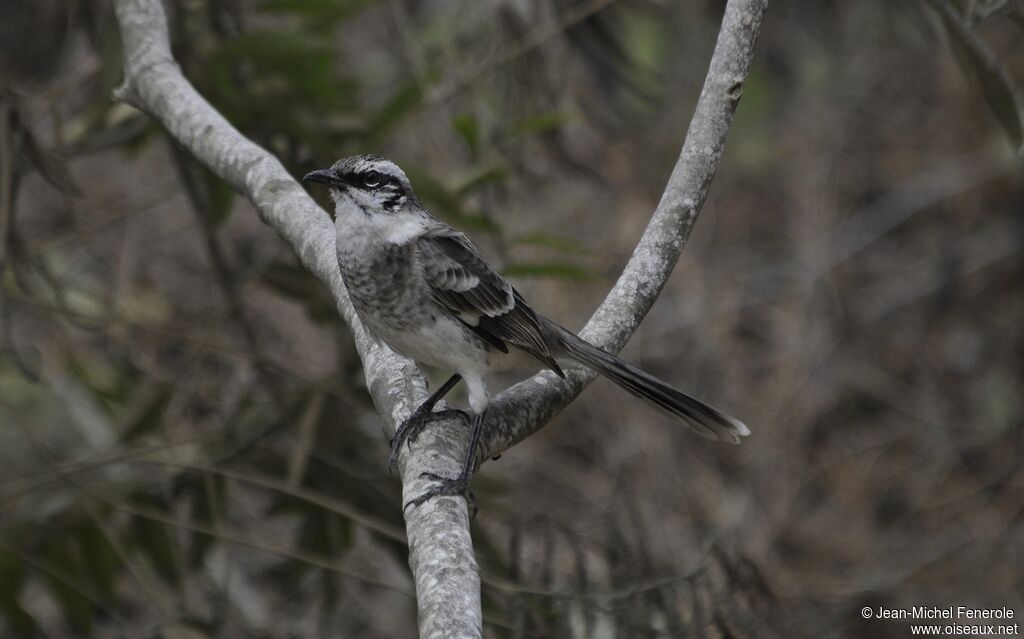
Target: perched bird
(422,288)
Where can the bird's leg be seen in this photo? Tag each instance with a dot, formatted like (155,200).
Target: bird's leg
(410,429)
(458,485)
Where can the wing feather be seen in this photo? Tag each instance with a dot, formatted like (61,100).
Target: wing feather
(462,282)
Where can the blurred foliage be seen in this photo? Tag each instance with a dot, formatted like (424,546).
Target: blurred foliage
(186,446)
(978,61)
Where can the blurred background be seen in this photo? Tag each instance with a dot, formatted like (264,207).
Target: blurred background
(187,448)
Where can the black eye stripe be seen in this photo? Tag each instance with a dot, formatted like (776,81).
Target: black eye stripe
(374,180)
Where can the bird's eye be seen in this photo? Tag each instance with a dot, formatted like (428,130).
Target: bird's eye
(371,179)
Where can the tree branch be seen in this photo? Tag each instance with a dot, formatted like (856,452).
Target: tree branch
(522,410)
(440,548)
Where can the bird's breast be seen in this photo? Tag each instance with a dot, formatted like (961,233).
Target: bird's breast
(389,292)
(382,283)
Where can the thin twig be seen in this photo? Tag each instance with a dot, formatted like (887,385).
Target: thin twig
(329,504)
(220,533)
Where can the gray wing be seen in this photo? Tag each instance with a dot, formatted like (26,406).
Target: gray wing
(462,282)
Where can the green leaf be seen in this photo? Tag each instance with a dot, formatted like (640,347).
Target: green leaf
(645,42)
(146,410)
(99,560)
(550,240)
(317,13)
(100,377)
(285,51)
(110,53)
(21,623)
(541,123)
(555,270)
(468,129)
(12,578)
(328,535)
(476,222)
(208,492)
(388,116)
(978,61)
(154,540)
(183,631)
(289,67)
(481,178)
(75,606)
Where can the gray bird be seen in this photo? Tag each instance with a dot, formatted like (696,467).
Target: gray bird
(422,288)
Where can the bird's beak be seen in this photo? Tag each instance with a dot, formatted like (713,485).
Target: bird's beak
(326,177)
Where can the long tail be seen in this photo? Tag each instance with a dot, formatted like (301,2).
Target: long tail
(705,420)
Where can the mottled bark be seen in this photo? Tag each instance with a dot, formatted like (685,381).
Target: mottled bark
(440,548)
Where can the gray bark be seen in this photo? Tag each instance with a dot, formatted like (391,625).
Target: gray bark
(440,548)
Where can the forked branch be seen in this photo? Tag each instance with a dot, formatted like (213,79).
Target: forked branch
(440,547)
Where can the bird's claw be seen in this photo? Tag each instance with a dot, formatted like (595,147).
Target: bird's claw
(446,486)
(410,430)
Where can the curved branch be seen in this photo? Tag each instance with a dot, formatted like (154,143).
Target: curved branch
(440,548)
(441,554)
(522,410)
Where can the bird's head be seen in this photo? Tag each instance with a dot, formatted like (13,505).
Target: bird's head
(373,184)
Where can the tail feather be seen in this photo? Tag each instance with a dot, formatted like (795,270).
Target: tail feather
(705,420)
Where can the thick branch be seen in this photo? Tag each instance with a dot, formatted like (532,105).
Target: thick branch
(523,409)
(440,548)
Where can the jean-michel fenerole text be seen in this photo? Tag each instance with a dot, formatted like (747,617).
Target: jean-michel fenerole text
(947,612)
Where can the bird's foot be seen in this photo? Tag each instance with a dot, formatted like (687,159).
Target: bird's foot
(411,428)
(447,486)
